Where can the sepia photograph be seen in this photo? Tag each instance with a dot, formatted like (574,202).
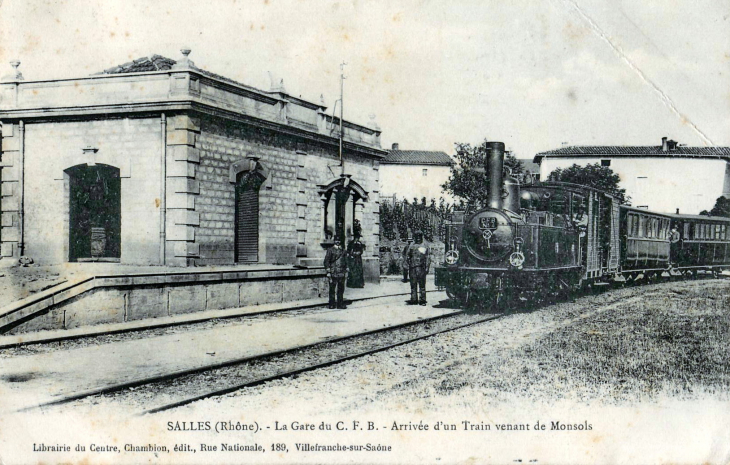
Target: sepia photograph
(364,232)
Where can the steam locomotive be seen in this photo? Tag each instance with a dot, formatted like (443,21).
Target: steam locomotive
(555,238)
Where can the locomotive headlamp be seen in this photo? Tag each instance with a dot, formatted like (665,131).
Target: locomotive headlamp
(517,259)
(452,256)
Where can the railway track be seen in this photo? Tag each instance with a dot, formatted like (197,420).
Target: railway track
(179,389)
(321,361)
(175,389)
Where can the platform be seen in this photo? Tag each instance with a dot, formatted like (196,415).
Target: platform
(30,380)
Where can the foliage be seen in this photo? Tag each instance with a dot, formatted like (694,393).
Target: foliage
(398,218)
(469,180)
(721,208)
(595,175)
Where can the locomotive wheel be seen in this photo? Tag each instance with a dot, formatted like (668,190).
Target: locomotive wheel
(462,296)
(497,297)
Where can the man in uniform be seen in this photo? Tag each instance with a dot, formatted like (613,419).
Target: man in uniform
(335,263)
(419,261)
(404,259)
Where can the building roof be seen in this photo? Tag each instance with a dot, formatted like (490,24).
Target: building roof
(160,63)
(417,157)
(679,151)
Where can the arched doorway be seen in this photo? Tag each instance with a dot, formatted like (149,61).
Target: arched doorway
(340,199)
(95,213)
(247,216)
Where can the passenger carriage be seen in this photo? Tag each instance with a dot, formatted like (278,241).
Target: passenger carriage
(701,243)
(645,243)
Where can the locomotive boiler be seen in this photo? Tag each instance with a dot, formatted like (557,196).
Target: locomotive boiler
(529,240)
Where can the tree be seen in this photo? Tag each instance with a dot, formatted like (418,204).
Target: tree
(600,177)
(469,179)
(721,208)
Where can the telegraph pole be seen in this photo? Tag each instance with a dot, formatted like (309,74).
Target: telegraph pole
(342,105)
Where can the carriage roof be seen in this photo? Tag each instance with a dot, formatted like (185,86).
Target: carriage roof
(568,187)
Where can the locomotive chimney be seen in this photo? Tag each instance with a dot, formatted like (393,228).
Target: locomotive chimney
(495,154)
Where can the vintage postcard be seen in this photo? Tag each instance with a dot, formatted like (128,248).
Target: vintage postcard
(409,231)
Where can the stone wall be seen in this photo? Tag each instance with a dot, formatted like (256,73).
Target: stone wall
(291,210)
(130,144)
(200,199)
(123,299)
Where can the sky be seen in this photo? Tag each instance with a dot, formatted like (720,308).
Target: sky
(536,75)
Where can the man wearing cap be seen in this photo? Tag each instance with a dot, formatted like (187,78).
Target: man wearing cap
(419,261)
(335,263)
(404,259)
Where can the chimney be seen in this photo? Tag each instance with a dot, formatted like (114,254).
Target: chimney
(677,211)
(495,162)
(665,147)
(395,146)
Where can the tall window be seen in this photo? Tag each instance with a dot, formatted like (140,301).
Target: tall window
(247,216)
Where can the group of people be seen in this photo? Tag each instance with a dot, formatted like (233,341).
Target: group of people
(344,267)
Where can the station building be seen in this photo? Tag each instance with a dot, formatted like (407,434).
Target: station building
(159,162)
(665,178)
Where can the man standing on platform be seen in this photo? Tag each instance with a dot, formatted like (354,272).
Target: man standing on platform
(419,261)
(335,263)
(404,259)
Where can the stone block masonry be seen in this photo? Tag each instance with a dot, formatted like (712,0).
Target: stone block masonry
(131,145)
(290,207)
(126,298)
(165,146)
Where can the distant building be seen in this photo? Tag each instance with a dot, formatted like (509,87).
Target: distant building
(531,167)
(664,178)
(414,174)
(159,162)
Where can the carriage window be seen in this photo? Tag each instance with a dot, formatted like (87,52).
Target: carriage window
(641,227)
(630,224)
